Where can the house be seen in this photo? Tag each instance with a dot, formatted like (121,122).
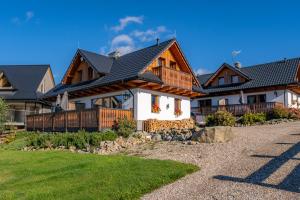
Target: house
(21,86)
(155,82)
(256,88)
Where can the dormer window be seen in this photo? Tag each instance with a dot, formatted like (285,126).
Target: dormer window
(161,62)
(80,78)
(234,79)
(221,81)
(90,73)
(172,65)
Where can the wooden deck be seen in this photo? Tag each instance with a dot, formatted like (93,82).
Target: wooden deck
(238,109)
(88,119)
(173,77)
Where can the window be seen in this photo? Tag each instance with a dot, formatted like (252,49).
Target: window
(111,102)
(204,103)
(161,62)
(223,102)
(177,107)
(221,81)
(234,79)
(80,75)
(90,73)
(172,65)
(252,99)
(79,106)
(155,103)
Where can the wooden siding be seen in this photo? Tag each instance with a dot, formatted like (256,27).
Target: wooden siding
(226,73)
(173,77)
(238,109)
(88,119)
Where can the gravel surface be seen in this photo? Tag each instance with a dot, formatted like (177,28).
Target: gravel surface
(261,162)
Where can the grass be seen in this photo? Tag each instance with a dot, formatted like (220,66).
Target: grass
(63,175)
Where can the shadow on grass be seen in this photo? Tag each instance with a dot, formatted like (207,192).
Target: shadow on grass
(290,183)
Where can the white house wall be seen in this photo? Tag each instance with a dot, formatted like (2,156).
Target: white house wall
(142,107)
(286,97)
(166,104)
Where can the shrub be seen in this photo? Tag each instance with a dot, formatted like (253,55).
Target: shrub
(80,139)
(294,113)
(125,127)
(3,113)
(279,113)
(220,118)
(252,118)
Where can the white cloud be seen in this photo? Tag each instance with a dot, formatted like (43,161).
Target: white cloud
(29,15)
(123,43)
(127,20)
(201,71)
(150,34)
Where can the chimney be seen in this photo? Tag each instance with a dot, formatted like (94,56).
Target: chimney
(238,65)
(115,54)
(157,41)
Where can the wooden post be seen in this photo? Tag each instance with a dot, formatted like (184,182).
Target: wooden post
(66,121)
(33,118)
(99,119)
(43,122)
(80,120)
(53,125)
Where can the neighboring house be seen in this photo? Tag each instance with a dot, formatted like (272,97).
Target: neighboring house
(21,86)
(155,82)
(255,88)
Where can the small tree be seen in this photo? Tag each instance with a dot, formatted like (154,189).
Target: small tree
(3,114)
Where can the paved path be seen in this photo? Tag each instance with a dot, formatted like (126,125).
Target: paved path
(262,162)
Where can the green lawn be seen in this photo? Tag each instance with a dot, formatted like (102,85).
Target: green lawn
(64,175)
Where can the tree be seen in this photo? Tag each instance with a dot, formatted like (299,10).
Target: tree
(3,113)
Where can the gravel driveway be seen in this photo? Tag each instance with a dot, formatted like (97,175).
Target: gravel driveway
(262,162)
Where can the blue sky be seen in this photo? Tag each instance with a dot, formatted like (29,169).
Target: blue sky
(49,32)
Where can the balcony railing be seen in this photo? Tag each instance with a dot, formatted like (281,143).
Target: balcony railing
(173,77)
(238,109)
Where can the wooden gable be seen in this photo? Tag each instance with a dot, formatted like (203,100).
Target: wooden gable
(79,71)
(226,72)
(4,82)
(174,59)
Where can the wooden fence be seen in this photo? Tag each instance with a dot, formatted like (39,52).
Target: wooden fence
(88,119)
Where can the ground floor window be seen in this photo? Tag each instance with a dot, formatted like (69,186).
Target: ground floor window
(204,103)
(177,107)
(223,102)
(111,102)
(252,99)
(155,103)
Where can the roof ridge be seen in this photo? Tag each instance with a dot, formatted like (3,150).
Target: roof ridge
(272,62)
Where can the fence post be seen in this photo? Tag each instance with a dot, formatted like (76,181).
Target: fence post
(80,120)
(53,125)
(43,122)
(66,121)
(99,119)
(33,122)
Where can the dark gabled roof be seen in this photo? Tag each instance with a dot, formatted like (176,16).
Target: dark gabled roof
(263,75)
(225,65)
(100,63)
(126,67)
(25,80)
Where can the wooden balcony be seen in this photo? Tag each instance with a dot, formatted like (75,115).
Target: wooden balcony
(173,77)
(88,119)
(238,109)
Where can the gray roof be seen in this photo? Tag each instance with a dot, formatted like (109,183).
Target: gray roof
(100,63)
(123,68)
(277,73)
(24,79)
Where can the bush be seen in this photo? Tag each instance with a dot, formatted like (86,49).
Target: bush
(279,113)
(220,118)
(80,139)
(252,118)
(125,127)
(3,114)
(294,113)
